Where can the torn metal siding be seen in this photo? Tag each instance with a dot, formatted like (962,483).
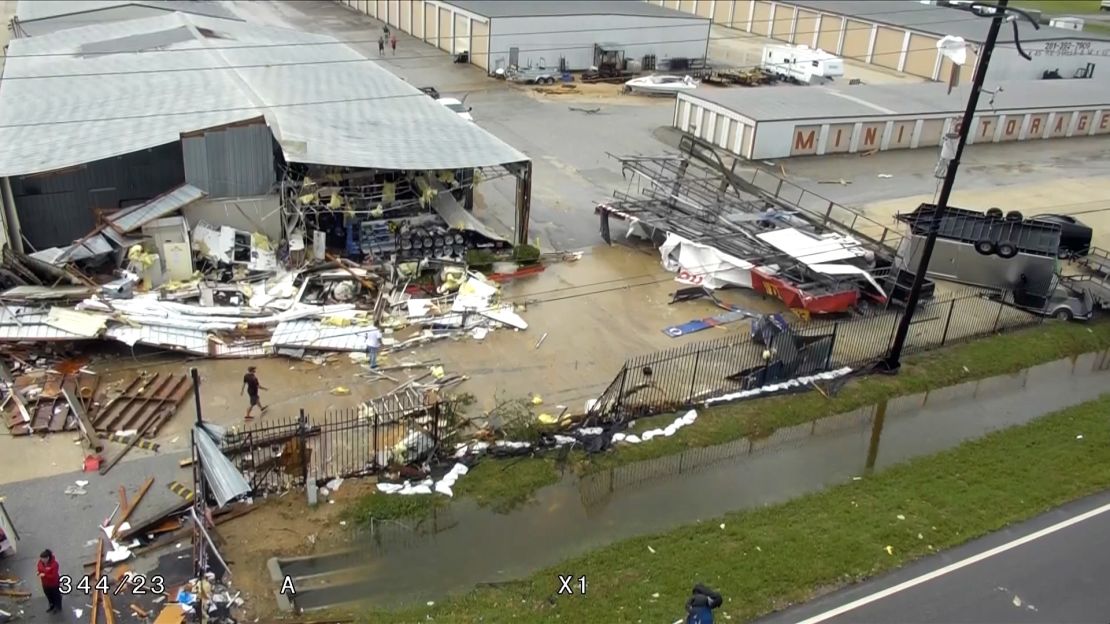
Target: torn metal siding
(225,483)
(166,203)
(231,162)
(23,323)
(311,334)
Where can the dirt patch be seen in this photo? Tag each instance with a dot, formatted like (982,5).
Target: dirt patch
(592,93)
(281,526)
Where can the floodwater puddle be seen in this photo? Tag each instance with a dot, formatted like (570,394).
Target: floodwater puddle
(473,546)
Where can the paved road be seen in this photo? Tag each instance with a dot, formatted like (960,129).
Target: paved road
(1050,569)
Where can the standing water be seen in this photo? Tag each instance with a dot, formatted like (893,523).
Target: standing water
(577,515)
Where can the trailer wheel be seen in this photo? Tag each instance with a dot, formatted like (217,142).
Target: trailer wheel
(994,213)
(985,247)
(1063,314)
(1014,215)
(1007,250)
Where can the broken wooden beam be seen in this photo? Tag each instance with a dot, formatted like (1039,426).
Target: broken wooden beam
(134,503)
(96,577)
(84,423)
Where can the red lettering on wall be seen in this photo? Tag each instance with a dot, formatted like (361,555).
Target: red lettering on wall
(1034,126)
(837,141)
(901,132)
(869,136)
(958,124)
(1082,125)
(802,141)
(986,127)
(1059,124)
(1011,126)
(1105,121)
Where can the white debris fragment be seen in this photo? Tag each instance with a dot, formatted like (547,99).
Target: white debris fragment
(650,549)
(901,517)
(722,526)
(1079,437)
(77,613)
(655,595)
(1017,601)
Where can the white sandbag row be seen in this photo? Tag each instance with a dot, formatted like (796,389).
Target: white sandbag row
(427,486)
(778,387)
(463,449)
(682,421)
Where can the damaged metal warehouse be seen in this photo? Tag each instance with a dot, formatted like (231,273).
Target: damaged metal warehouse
(259,190)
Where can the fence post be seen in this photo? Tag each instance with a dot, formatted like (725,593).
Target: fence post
(620,390)
(374,429)
(778,189)
(1001,304)
(828,215)
(302,434)
(947,322)
(693,377)
(832,345)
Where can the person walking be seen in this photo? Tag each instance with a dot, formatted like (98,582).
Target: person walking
(51,579)
(373,345)
(393,43)
(252,386)
(381,46)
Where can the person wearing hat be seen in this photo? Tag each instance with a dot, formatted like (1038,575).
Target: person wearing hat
(50,577)
(252,386)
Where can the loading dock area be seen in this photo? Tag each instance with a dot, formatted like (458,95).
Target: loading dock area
(779,122)
(902,35)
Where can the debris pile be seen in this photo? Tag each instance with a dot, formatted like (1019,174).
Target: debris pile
(398,255)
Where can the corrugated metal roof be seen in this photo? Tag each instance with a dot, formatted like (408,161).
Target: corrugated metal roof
(172,338)
(540,8)
(166,203)
(24,323)
(311,334)
(374,119)
(225,483)
(30,10)
(932,19)
(816,103)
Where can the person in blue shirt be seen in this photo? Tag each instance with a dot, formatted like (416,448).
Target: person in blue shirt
(700,606)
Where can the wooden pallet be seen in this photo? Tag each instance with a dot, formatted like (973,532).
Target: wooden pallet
(145,401)
(49,411)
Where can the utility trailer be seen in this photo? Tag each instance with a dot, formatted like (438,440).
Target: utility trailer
(801,64)
(533,75)
(752,77)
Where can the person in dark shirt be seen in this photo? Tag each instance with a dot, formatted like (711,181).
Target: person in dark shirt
(703,601)
(252,386)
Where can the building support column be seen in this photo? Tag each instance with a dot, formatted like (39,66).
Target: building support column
(523,175)
(12,232)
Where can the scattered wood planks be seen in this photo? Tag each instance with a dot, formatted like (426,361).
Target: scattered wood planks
(145,401)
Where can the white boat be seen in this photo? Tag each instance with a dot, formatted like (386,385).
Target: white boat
(661,84)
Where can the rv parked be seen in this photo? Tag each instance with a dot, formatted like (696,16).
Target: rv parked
(801,64)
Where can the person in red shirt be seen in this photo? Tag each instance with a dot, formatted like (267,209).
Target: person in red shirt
(51,579)
(393,44)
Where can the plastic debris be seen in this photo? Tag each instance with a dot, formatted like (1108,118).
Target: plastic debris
(901,517)
(341,391)
(537,400)
(889,550)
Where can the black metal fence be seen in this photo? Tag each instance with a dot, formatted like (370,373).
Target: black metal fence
(676,378)
(278,454)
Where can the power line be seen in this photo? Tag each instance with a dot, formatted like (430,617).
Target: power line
(731,25)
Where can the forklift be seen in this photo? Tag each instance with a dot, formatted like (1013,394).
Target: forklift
(609,64)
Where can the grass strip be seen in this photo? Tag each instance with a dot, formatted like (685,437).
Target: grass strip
(774,556)
(504,489)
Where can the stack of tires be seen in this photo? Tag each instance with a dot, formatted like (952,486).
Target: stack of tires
(1001,248)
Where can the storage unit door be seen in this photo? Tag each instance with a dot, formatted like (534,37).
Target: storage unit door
(784,17)
(806,28)
(856,40)
(888,47)
(479,40)
(381,7)
(462,34)
(431,24)
(742,13)
(721,11)
(724,131)
(395,13)
(686,6)
(761,21)
(829,39)
(406,16)
(705,8)
(443,36)
(418,19)
(921,59)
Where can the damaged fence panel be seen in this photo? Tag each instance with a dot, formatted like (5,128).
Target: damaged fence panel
(226,483)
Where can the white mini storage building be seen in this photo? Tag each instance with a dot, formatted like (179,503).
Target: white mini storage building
(499,33)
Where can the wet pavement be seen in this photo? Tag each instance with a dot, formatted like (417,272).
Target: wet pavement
(598,311)
(575,516)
